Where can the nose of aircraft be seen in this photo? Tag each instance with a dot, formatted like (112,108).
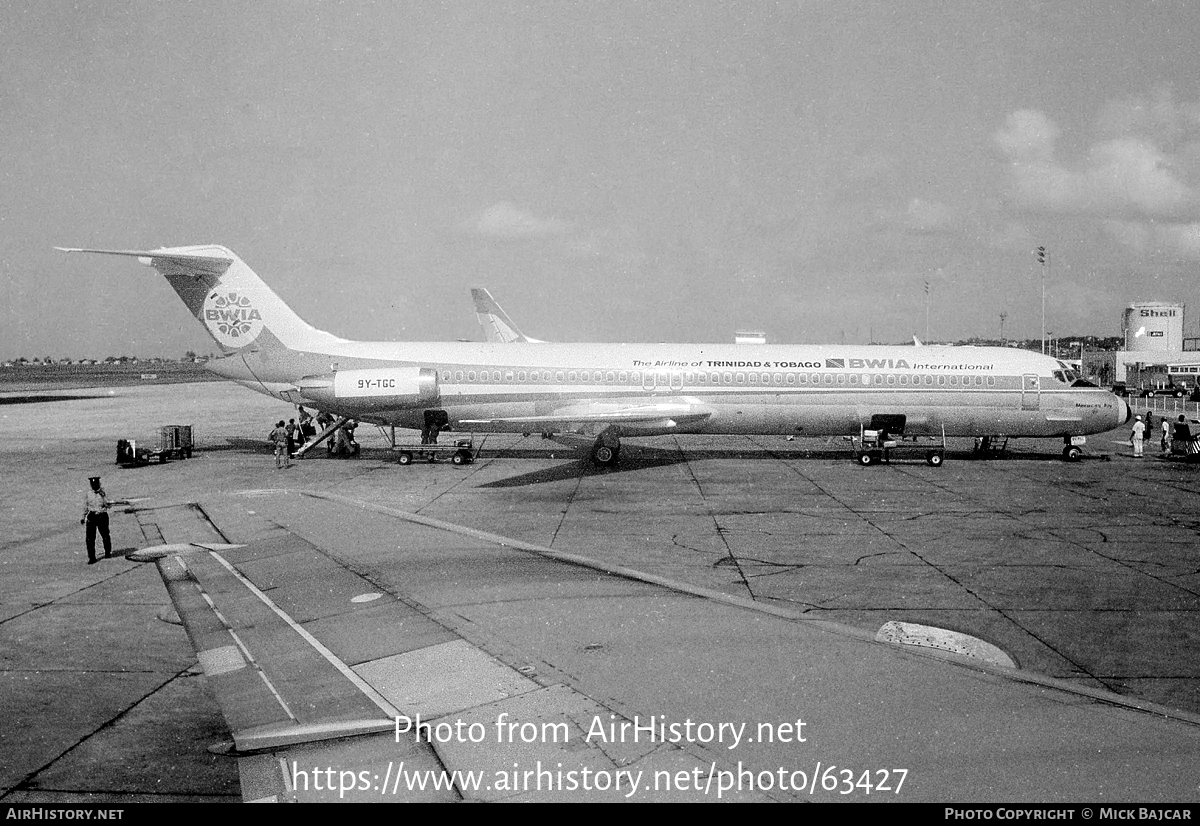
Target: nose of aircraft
(1124,413)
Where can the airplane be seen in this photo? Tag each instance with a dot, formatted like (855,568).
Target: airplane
(497,326)
(612,391)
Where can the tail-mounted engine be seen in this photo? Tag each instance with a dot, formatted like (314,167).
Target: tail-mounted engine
(383,388)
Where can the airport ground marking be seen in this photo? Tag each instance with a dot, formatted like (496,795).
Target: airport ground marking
(1054,683)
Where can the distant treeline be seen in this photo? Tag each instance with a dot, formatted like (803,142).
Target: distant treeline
(98,375)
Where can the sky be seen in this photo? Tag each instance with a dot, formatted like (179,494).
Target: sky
(610,171)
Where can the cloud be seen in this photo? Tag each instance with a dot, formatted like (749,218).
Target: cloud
(1158,118)
(1141,179)
(506,220)
(1028,137)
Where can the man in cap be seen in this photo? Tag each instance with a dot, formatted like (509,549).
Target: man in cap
(95,516)
(1137,436)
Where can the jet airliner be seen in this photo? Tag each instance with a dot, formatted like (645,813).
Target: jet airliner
(612,391)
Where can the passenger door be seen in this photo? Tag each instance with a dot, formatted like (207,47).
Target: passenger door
(1031,393)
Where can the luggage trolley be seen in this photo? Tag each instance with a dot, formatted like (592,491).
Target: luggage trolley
(875,446)
(460,451)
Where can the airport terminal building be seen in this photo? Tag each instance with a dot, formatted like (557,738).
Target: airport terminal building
(1155,355)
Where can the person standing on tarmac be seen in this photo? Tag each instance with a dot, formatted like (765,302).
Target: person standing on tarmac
(1137,437)
(279,437)
(95,517)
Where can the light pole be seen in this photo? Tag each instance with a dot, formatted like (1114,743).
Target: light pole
(927,311)
(1043,258)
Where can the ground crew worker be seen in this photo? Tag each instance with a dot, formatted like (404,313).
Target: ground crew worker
(1137,437)
(95,517)
(279,438)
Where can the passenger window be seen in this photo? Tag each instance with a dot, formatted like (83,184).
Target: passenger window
(791,378)
(496,376)
(558,376)
(854,378)
(611,377)
(954,381)
(741,378)
(635,377)
(623,377)
(904,381)
(521,376)
(572,376)
(508,376)
(891,380)
(754,378)
(458,376)
(841,379)
(585,376)
(470,375)
(991,381)
(827,378)
(728,378)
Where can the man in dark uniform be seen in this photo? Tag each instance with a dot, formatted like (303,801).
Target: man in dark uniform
(95,516)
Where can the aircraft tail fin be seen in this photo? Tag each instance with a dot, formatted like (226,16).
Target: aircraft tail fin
(235,306)
(496,324)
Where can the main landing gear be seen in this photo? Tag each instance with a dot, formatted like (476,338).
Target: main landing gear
(606,452)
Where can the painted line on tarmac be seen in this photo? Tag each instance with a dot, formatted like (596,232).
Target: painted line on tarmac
(1018,675)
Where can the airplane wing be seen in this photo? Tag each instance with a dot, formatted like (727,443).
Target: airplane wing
(667,415)
(497,326)
(359,652)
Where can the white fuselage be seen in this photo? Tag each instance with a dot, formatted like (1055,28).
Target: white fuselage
(702,388)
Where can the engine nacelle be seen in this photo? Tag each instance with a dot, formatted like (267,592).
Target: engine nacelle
(372,388)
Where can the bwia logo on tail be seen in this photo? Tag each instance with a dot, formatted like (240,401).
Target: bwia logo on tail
(231,318)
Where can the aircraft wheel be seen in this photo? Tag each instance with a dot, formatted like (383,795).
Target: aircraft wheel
(460,458)
(604,455)
(405,458)
(935,458)
(1072,454)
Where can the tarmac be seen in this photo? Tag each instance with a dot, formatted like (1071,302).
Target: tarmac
(1085,575)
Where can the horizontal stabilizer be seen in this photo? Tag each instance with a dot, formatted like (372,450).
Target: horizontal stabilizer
(214,264)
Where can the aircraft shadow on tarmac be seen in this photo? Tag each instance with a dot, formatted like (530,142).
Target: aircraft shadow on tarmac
(642,457)
(645,457)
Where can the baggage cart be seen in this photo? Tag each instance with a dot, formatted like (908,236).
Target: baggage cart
(873,447)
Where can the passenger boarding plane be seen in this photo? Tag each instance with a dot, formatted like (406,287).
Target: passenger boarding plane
(611,391)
